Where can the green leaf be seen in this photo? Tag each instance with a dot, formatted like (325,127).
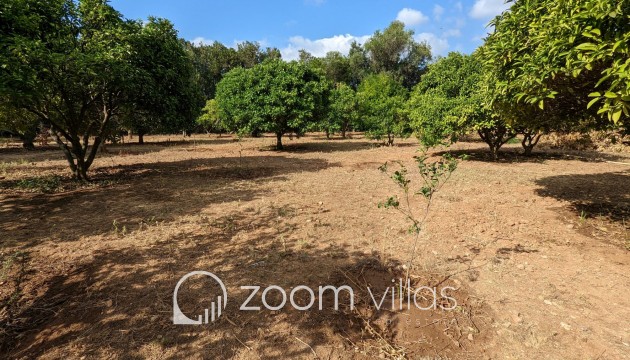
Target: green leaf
(616,115)
(592,102)
(610,95)
(587,46)
(595,94)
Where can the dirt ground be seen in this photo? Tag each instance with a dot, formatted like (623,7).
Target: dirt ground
(537,251)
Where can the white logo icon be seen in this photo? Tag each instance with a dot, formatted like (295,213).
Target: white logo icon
(215,309)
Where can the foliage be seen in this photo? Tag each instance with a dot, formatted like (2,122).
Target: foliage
(159,58)
(434,175)
(395,51)
(564,57)
(382,100)
(19,122)
(81,68)
(343,110)
(209,119)
(452,100)
(274,96)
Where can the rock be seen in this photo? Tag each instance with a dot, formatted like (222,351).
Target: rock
(470,337)
(570,226)
(565,326)
(520,267)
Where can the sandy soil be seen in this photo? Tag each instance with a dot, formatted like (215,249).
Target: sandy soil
(537,250)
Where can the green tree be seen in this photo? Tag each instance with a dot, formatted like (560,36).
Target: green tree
(358,65)
(73,64)
(563,57)
(274,96)
(395,51)
(343,110)
(451,100)
(382,100)
(19,122)
(209,119)
(159,58)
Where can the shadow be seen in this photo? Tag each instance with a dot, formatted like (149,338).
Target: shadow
(606,195)
(515,155)
(329,146)
(118,303)
(138,194)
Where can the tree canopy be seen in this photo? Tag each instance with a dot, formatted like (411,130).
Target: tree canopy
(382,100)
(77,66)
(565,56)
(274,96)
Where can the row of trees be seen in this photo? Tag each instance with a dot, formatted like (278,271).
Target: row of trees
(81,70)
(366,90)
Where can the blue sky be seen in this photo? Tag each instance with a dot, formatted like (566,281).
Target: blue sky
(319,26)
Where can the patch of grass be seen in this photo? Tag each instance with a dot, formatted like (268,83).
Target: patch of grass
(44,184)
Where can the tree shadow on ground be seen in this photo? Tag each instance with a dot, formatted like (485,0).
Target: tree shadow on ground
(515,155)
(118,303)
(605,195)
(138,194)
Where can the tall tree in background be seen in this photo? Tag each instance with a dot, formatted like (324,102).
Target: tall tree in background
(274,96)
(395,51)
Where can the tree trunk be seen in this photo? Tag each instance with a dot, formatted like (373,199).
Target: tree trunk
(140,138)
(327,134)
(27,143)
(279,141)
(390,139)
(530,140)
(343,133)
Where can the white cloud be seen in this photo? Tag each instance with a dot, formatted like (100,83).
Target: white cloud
(320,47)
(438,11)
(439,45)
(452,33)
(485,9)
(411,17)
(201,41)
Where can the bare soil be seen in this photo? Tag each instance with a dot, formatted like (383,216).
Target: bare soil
(536,250)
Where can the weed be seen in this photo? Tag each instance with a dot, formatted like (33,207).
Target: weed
(44,184)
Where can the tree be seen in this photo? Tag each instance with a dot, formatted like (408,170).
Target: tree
(160,59)
(274,96)
(563,57)
(395,51)
(212,62)
(343,110)
(336,67)
(451,100)
(382,101)
(209,119)
(19,122)
(73,64)
(358,65)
